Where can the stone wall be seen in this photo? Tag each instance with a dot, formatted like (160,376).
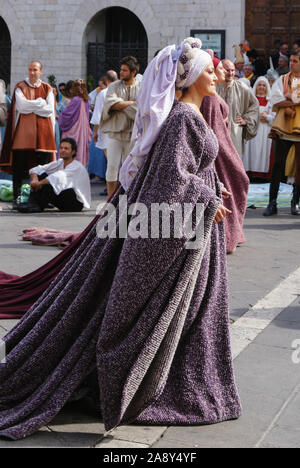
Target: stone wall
(54,31)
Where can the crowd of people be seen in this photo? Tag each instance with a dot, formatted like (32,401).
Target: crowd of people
(140,327)
(101,123)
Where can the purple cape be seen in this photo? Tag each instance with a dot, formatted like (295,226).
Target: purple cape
(143,324)
(70,115)
(230,170)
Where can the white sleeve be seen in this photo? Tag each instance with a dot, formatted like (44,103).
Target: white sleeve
(277,94)
(95,120)
(39,170)
(270,115)
(51,104)
(37,106)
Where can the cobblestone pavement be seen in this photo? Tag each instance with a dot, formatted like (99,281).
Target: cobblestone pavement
(264,278)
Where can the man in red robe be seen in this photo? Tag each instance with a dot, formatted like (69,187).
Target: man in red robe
(29,139)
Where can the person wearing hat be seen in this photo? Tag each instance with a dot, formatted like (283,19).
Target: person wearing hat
(239,62)
(257,156)
(140,322)
(244,48)
(272,76)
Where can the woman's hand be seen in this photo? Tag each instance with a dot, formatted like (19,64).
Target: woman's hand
(240,121)
(221,214)
(95,136)
(225,193)
(263,117)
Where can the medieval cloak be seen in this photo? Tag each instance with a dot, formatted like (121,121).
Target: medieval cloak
(28,132)
(230,170)
(73,122)
(241,102)
(148,317)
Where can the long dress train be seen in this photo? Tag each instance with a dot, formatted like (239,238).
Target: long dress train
(147,316)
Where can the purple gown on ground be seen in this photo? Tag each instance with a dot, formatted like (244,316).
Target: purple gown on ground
(146,319)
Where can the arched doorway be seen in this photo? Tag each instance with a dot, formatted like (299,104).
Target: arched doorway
(112,34)
(5,52)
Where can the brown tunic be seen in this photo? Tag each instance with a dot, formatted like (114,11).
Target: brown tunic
(33,133)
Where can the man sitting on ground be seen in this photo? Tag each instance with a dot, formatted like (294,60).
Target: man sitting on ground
(64,183)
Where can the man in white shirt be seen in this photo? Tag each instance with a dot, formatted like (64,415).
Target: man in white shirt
(64,183)
(100,138)
(285,100)
(29,139)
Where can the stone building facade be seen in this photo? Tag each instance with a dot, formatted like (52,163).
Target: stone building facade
(57,32)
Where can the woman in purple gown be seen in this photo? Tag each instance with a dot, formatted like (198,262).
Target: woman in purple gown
(229,166)
(140,322)
(74,121)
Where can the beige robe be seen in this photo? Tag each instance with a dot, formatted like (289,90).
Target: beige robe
(119,124)
(241,102)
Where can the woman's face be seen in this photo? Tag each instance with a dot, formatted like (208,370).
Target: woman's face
(261,89)
(207,82)
(220,73)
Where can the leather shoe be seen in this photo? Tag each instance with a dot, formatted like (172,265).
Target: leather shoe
(271,209)
(28,208)
(295,209)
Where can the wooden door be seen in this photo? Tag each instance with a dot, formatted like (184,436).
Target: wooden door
(268,21)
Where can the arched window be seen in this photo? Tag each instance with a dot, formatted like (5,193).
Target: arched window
(111,35)
(5,52)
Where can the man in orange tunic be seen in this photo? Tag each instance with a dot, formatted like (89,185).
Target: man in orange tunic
(29,139)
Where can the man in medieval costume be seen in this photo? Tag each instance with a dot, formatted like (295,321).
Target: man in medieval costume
(118,118)
(29,139)
(285,99)
(243,108)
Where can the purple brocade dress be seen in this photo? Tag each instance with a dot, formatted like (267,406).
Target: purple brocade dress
(143,324)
